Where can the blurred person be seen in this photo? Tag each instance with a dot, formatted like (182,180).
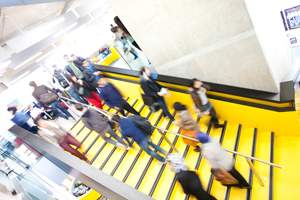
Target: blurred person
(203,106)
(96,121)
(221,163)
(80,79)
(23,119)
(125,32)
(47,97)
(113,98)
(124,41)
(154,91)
(130,129)
(189,127)
(188,179)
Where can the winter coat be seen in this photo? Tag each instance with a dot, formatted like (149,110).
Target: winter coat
(110,95)
(189,127)
(130,129)
(151,88)
(94,120)
(216,156)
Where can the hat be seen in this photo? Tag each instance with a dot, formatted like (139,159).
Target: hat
(179,106)
(203,138)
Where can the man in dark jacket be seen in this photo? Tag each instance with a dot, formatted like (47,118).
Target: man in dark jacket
(152,89)
(96,121)
(113,98)
(202,104)
(130,130)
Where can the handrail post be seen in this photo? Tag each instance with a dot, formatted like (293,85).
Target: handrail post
(260,181)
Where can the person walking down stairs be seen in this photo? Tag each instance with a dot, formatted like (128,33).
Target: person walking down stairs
(130,129)
(221,163)
(188,179)
(96,121)
(188,125)
(203,106)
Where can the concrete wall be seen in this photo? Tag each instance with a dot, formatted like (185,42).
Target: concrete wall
(282,59)
(211,40)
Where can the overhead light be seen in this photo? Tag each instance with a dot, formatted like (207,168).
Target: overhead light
(66,29)
(28,60)
(5,64)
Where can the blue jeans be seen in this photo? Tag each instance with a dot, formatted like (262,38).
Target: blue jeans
(74,94)
(145,145)
(61,111)
(164,107)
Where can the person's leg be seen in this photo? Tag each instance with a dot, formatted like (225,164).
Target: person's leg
(239,178)
(61,110)
(164,107)
(64,144)
(157,148)
(134,53)
(73,93)
(128,107)
(109,140)
(144,145)
(213,114)
(115,136)
(72,140)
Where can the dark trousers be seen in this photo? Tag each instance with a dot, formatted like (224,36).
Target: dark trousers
(66,143)
(242,182)
(191,184)
(164,107)
(60,110)
(213,114)
(146,144)
(127,107)
(112,136)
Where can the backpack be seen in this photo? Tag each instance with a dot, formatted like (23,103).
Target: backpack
(143,124)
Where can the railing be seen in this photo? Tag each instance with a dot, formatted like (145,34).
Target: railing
(162,131)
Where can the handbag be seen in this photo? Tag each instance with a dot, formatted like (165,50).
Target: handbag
(148,100)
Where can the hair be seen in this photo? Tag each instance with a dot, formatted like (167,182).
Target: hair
(193,81)
(179,106)
(143,69)
(116,118)
(32,84)
(114,29)
(12,109)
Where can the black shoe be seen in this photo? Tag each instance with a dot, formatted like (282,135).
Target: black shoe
(219,125)
(197,149)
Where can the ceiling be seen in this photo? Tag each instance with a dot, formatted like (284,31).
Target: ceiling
(16,19)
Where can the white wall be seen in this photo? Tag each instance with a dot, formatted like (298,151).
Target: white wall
(265,15)
(212,40)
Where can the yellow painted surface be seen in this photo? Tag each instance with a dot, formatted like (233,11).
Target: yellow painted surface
(287,147)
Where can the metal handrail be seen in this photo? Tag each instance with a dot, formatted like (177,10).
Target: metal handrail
(107,114)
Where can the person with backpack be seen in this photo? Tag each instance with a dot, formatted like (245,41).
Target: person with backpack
(203,106)
(96,121)
(189,127)
(113,98)
(130,129)
(154,92)
(48,98)
(222,164)
(188,179)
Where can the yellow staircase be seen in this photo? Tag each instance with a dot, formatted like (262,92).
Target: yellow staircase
(137,169)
